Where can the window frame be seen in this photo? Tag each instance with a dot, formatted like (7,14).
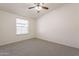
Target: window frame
(24,27)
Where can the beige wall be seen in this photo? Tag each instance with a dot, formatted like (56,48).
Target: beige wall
(60,26)
(8,28)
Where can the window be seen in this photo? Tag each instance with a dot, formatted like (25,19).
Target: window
(22,26)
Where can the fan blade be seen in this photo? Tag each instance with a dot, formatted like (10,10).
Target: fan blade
(31,7)
(45,7)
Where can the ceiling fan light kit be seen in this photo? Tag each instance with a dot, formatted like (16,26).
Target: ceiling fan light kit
(38,8)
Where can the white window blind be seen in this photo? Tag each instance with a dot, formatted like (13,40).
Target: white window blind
(22,26)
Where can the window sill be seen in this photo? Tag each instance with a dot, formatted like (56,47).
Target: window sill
(22,34)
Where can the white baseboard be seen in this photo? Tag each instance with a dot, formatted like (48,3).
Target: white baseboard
(6,43)
(50,40)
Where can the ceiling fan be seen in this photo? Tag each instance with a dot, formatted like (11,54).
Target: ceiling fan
(39,6)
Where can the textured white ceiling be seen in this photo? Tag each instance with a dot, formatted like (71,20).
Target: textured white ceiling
(22,9)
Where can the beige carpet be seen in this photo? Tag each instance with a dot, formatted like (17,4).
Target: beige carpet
(37,47)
